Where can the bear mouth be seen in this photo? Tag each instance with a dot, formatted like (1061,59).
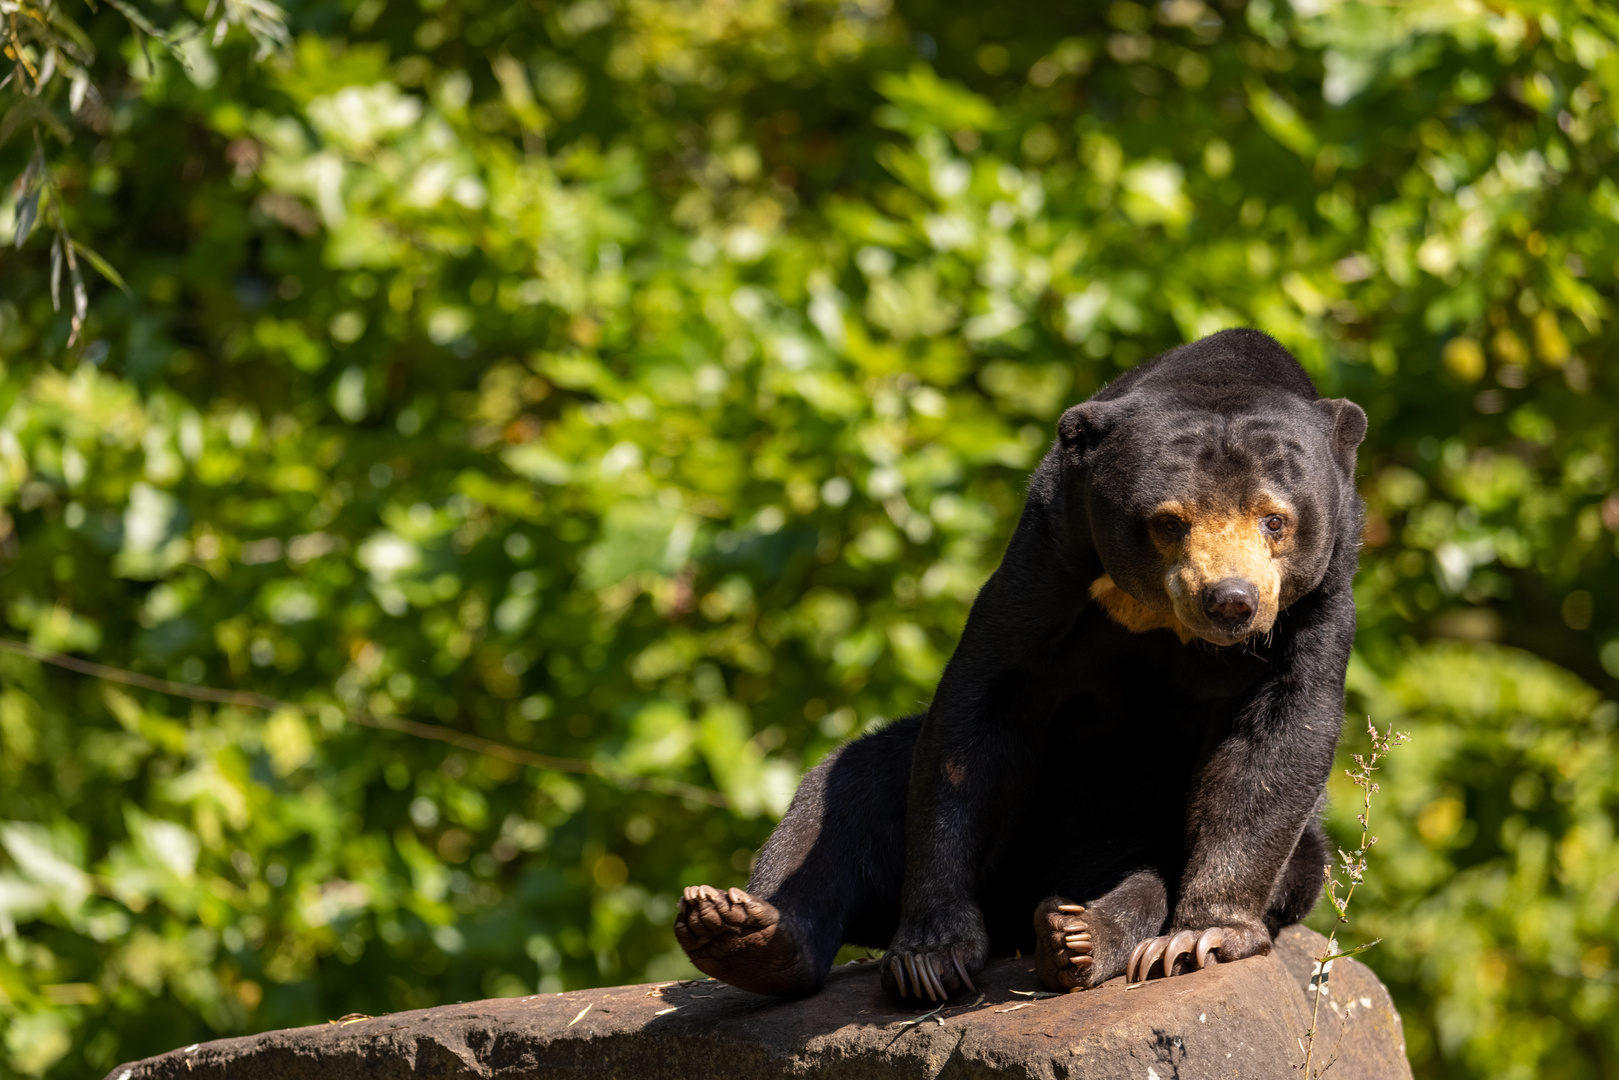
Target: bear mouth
(1228,611)
(1139,618)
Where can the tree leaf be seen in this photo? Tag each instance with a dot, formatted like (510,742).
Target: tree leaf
(102,266)
(56,273)
(27,211)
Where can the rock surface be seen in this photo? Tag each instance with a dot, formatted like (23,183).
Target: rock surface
(1240,1020)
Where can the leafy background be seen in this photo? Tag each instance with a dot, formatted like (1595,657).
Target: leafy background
(649,386)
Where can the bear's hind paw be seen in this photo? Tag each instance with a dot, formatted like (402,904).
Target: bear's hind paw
(742,940)
(1064,948)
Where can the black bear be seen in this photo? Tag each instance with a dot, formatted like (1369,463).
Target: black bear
(1133,736)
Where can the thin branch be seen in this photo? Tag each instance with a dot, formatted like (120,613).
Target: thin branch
(475,743)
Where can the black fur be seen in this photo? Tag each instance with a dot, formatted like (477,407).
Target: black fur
(1164,784)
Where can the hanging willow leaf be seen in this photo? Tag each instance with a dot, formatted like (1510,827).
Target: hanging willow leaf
(102,266)
(27,211)
(81,298)
(56,273)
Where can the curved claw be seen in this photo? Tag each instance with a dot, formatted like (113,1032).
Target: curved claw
(901,975)
(1179,944)
(918,983)
(961,970)
(1134,960)
(933,977)
(1131,974)
(917,978)
(925,961)
(1154,956)
(1212,939)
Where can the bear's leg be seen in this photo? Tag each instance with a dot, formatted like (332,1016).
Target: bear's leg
(1295,893)
(831,872)
(1300,885)
(1078,946)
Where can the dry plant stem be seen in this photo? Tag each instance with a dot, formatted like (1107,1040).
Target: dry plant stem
(1354,865)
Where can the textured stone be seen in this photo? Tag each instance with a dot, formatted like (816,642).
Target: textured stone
(1241,1020)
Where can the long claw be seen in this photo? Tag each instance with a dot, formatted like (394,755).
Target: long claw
(1182,942)
(1212,939)
(897,966)
(919,970)
(1081,961)
(1154,951)
(938,977)
(1072,909)
(933,976)
(1130,973)
(917,977)
(961,970)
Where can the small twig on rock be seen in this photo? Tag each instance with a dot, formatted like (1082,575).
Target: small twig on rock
(933,1015)
(581,1015)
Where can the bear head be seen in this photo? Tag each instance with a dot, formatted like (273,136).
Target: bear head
(1215,484)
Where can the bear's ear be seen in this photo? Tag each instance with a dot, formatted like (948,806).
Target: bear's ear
(1083,426)
(1348,429)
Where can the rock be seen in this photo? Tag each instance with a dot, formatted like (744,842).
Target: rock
(1245,1019)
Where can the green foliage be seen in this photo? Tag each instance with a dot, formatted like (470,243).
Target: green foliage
(651,386)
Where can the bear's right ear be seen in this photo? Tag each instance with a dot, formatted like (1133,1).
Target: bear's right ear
(1083,426)
(1348,429)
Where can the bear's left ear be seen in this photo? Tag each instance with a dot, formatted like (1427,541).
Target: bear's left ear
(1348,429)
(1083,426)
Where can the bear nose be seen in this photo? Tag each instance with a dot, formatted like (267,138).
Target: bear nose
(1231,603)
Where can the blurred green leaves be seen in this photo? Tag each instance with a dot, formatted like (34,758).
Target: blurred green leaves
(645,391)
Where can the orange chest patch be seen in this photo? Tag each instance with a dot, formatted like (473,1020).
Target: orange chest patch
(1132,614)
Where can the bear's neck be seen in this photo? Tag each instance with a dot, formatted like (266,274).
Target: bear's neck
(1132,614)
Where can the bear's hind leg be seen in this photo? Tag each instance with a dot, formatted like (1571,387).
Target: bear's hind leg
(830,872)
(1078,946)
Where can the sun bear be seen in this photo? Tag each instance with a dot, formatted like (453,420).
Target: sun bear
(1132,739)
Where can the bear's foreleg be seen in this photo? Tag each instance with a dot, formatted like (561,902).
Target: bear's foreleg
(1253,802)
(967,793)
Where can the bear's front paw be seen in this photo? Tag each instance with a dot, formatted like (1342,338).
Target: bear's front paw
(935,962)
(1181,951)
(1063,945)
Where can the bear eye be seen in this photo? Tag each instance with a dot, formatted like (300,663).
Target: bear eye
(1170,527)
(1274,525)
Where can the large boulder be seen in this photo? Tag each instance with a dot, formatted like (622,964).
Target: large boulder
(1246,1019)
